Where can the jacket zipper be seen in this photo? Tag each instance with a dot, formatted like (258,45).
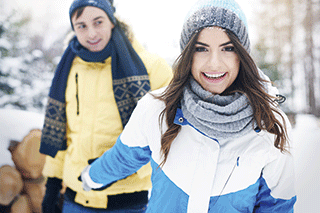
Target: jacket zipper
(77,94)
(235,165)
(225,184)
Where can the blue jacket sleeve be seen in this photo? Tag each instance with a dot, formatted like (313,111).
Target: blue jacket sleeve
(267,203)
(118,163)
(276,190)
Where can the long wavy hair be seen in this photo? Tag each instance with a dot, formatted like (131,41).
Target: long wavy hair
(247,82)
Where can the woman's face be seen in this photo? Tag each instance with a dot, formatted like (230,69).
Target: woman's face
(215,63)
(93,28)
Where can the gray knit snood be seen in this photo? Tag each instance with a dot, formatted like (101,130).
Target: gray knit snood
(218,117)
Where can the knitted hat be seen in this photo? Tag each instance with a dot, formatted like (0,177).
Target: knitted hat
(226,14)
(105,5)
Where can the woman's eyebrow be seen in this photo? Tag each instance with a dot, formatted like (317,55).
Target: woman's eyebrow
(224,44)
(200,43)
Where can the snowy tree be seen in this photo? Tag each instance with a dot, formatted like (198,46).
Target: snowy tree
(288,50)
(26,68)
(311,20)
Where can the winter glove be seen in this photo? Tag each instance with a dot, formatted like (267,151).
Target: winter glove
(87,183)
(51,198)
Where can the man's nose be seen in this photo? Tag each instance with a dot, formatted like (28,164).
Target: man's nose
(92,33)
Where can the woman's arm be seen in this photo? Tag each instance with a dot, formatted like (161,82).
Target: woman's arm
(115,164)
(128,155)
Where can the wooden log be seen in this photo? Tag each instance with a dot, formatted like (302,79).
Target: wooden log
(26,156)
(11,184)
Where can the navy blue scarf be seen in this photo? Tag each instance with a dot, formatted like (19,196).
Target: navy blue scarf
(130,83)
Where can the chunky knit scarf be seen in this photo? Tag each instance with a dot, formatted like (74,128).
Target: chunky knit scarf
(130,83)
(217,116)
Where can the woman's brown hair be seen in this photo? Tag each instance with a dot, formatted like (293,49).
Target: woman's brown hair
(247,82)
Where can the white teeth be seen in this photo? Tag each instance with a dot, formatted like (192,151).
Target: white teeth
(214,75)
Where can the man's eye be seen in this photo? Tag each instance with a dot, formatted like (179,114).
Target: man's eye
(98,22)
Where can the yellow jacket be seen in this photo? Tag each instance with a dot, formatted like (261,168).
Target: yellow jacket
(95,129)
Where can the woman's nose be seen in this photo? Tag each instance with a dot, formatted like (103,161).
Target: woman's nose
(215,59)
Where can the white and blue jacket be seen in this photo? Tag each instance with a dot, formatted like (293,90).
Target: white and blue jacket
(201,174)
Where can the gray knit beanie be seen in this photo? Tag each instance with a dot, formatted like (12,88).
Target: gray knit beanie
(222,13)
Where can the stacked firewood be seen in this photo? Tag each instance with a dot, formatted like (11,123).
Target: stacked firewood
(22,187)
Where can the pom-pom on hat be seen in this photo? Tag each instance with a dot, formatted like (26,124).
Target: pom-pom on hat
(226,14)
(105,5)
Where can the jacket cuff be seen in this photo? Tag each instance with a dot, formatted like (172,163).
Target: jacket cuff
(87,179)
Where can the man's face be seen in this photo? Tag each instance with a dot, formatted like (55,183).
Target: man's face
(93,28)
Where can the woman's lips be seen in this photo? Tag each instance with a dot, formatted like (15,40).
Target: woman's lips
(214,77)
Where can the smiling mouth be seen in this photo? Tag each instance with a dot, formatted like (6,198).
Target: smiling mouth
(214,76)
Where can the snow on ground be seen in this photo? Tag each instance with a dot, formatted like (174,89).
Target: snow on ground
(14,125)
(306,143)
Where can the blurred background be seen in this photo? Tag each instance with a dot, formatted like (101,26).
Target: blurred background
(285,43)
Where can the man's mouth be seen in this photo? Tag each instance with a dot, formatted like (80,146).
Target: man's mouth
(95,42)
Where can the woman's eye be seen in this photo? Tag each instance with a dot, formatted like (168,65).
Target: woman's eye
(201,49)
(229,49)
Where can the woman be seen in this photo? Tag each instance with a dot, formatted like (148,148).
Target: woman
(216,139)
(102,74)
